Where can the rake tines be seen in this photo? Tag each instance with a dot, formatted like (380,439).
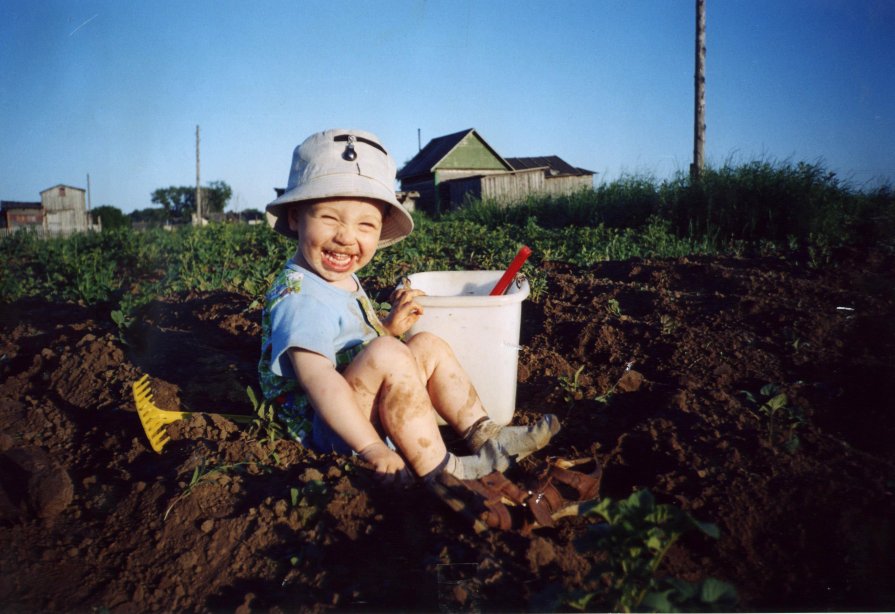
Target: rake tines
(152,418)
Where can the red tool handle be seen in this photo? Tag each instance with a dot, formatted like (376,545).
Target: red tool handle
(510,273)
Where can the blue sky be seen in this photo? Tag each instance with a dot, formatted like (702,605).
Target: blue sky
(115,89)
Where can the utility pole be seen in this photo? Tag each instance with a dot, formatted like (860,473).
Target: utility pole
(419,142)
(198,189)
(699,102)
(88,192)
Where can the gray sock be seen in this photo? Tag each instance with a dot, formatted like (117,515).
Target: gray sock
(488,459)
(518,441)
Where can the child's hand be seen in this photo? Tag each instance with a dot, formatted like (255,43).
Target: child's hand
(389,466)
(405,310)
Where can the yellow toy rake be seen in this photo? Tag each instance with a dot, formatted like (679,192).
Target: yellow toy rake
(155,419)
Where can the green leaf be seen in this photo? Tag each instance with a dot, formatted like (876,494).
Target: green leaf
(716,591)
(641,500)
(708,528)
(655,540)
(251,394)
(685,590)
(579,602)
(658,601)
(778,401)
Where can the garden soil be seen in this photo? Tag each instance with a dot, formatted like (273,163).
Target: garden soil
(666,352)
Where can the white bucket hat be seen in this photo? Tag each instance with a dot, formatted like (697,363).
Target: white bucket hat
(342,163)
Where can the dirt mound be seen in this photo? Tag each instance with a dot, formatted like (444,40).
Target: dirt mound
(665,370)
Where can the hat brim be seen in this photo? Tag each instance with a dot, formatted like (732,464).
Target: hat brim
(395,226)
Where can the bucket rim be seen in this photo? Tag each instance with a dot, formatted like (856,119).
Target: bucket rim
(521,292)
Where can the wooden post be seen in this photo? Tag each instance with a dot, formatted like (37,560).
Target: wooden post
(198,189)
(699,103)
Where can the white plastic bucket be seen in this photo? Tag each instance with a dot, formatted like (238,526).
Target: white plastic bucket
(482,330)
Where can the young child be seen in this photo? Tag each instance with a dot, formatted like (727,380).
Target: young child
(341,379)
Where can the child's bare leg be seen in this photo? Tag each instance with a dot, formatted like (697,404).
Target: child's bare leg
(452,393)
(455,399)
(391,390)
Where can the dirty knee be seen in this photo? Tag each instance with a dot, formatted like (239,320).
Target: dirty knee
(384,353)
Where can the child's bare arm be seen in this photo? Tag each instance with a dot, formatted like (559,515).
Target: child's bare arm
(333,398)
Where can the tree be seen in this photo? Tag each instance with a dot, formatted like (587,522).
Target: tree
(111,217)
(179,202)
(215,197)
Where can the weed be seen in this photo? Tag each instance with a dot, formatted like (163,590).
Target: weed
(607,396)
(775,406)
(571,387)
(123,321)
(310,500)
(202,474)
(613,308)
(537,287)
(792,339)
(633,540)
(265,426)
(820,253)
(667,324)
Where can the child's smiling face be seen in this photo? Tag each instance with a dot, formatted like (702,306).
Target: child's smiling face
(337,236)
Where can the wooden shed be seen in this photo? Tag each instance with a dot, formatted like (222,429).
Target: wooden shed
(65,210)
(452,168)
(15,215)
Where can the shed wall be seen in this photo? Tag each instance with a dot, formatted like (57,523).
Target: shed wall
(559,186)
(63,198)
(513,187)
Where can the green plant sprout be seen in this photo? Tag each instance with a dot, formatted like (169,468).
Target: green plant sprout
(266,423)
(613,308)
(775,405)
(667,324)
(310,499)
(633,540)
(792,339)
(202,474)
(571,386)
(607,396)
(123,321)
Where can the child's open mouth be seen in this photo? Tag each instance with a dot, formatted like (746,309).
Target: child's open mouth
(338,261)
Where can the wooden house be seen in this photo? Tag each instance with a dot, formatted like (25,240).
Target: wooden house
(448,158)
(65,210)
(454,167)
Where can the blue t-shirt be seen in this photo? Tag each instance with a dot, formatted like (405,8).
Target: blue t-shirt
(304,311)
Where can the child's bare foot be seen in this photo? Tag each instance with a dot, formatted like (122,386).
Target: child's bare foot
(516,441)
